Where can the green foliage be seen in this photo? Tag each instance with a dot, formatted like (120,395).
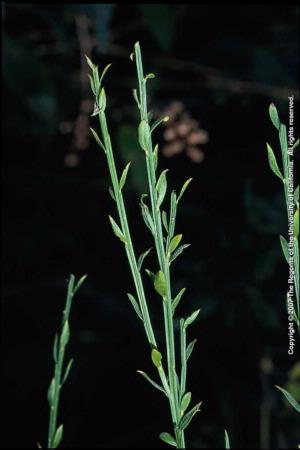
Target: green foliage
(290,399)
(167,248)
(168,439)
(156,357)
(55,434)
(286,162)
(227,442)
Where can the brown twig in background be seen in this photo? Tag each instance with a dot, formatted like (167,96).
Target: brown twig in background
(80,140)
(211,77)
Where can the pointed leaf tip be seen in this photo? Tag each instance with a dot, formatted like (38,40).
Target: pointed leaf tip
(186,400)
(273,163)
(191,318)
(58,436)
(183,189)
(124,175)
(174,243)
(289,398)
(227,442)
(274,116)
(168,439)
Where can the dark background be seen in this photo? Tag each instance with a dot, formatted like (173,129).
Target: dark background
(225,63)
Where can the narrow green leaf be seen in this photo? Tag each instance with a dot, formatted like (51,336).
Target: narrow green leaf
(155,157)
(150,274)
(177,299)
(58,436)
(284,246)
(97,139)
(65,335)
(135,96)
(274,115)
(185,185)
(168,439)
(290,398)
(96,110)
(55,348)
(190,349)
(151,381)
(124,176)
(165,220)
(158,122)
(146,215)
(161,187)
(160,283)
(144,135)
(273,163)
(186,400)
(296,144)
(178,251)
(102,100)
(142,257)
(173,211)
(284,149)
(117,230)
(156,357)
(227,442)
(79,283)
(174,243)
(67,371)
(135,305)
(96,80)
(112,194)
(51,392)
(104,72)
(92,85)
(191,318)
(91,65)
(186,420)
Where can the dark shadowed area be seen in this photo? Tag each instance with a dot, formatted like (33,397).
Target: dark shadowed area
(217,69)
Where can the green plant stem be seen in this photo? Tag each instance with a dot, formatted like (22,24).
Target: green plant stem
(60,343)
(183,357)
(128,245)
(165,249)
(58,368)
(161,254)
(54,407)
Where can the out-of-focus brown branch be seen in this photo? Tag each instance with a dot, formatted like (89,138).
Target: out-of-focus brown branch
(80,140)
(211,77)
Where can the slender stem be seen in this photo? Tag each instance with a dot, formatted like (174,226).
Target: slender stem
(129,245)
(59,354)
(161,254)
(183,357)
(171,383)
(54,408)
(125,228)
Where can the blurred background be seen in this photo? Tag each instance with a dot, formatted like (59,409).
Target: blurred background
(217,69)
